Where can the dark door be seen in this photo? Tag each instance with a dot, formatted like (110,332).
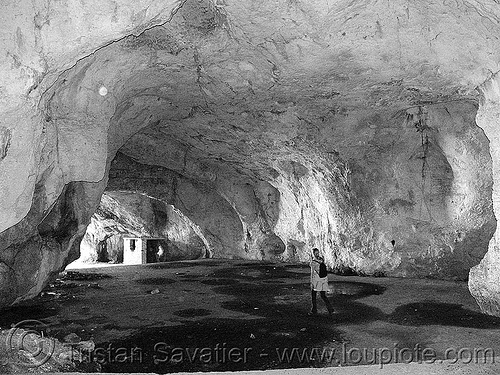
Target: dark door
(151,250)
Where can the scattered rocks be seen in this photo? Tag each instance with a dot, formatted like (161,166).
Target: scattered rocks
(80,276)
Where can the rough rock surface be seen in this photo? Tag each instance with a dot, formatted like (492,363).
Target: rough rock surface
(41,39)
(274,126)
(484,279)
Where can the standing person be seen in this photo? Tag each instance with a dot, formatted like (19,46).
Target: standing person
(319,282)
(160,255)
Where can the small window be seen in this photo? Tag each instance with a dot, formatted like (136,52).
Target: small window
(132,245)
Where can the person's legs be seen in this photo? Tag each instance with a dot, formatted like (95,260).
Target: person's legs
(314,307)
(327,302)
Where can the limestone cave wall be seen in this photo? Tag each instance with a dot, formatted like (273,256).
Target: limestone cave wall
(484,279)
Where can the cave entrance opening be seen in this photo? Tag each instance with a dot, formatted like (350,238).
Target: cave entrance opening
(130,227)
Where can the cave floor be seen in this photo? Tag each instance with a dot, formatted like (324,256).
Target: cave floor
(227,315)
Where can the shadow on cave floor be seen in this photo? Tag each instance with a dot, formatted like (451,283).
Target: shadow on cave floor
(226,315)
(447,314)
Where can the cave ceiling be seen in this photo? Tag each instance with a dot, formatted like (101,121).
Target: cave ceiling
(232,87)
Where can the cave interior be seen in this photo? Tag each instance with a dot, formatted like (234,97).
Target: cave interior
(252,131)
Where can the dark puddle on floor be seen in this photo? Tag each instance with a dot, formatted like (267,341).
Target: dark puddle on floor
(219,345)
(22,314)
(445,314)
(355,290)
(285,301)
